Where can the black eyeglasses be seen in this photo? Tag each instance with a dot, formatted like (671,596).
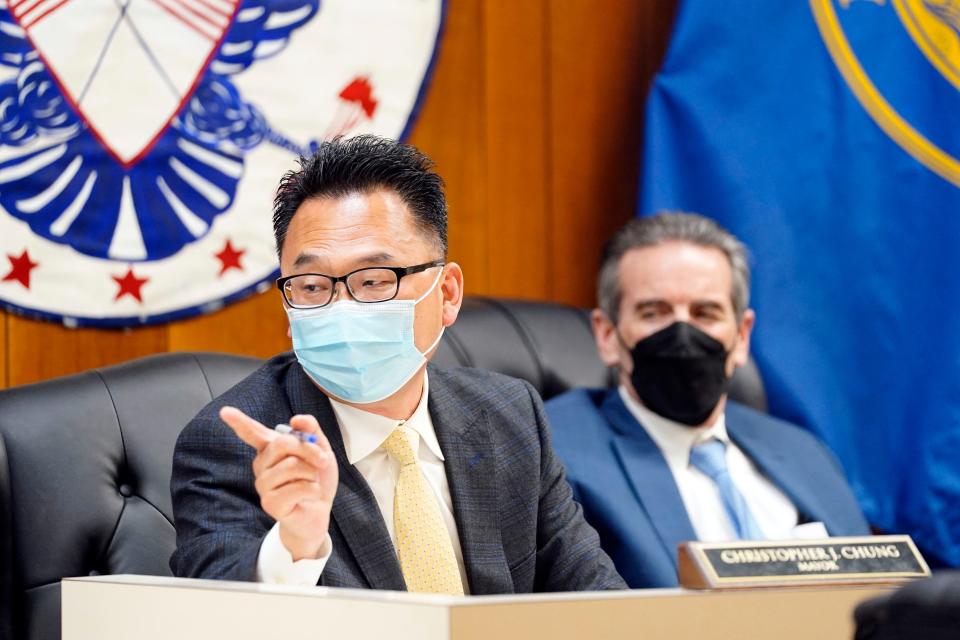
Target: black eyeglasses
(370,284)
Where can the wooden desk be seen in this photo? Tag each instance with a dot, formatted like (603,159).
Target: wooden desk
(143,607)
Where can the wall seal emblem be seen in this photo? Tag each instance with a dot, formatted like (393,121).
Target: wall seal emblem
(141,141)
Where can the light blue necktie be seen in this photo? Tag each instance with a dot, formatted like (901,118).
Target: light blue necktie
(710,458)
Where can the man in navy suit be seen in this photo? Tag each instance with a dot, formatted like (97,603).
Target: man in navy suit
(386,473)
(666,457)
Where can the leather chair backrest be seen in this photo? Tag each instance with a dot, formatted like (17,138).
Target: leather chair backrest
(85,459)
(85,476)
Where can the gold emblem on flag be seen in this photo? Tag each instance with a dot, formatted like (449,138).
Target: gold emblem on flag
(934,26)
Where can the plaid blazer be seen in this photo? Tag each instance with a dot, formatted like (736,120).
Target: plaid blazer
(519,527)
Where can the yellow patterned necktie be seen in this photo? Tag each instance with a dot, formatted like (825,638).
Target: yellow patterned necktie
(423,542)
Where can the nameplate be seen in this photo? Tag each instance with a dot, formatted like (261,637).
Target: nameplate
(862,560)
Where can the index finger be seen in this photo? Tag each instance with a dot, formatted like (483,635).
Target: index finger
(247,429)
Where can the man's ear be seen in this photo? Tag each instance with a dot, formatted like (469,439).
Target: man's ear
(605,334)
(741,352)
(451,288)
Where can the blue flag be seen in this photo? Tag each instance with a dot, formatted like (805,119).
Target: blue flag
(826,135)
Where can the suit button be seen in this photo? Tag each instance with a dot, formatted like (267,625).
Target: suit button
(126,490)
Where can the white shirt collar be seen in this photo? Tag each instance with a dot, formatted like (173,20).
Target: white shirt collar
(363,432)
(673,438)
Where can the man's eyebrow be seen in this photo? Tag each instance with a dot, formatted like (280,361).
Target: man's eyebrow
(370,259)
(649,302)
(305,258)
(708,303)
(377,258)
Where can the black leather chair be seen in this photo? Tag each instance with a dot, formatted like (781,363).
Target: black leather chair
(85,459)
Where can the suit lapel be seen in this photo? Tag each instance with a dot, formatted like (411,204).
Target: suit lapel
(470,465)
(650,476)
(355,511)
(786,472)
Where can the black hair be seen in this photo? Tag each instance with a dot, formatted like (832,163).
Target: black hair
(361,164)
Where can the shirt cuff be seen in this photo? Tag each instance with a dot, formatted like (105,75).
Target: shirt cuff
(809,531)
(275,565)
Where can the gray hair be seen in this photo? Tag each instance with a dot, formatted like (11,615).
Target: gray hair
(671,226)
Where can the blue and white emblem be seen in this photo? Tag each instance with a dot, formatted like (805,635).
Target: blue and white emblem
(141,140)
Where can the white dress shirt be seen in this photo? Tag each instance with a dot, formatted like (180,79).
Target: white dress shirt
(774,513)
(363,433)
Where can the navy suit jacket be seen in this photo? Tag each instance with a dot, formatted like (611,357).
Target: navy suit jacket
(519,527)
(629,495)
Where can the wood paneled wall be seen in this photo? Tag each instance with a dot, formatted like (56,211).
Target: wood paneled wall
(534,117)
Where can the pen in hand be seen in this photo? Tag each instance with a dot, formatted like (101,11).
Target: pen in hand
(300,435)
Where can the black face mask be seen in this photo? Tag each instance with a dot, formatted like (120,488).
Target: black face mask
(680,373)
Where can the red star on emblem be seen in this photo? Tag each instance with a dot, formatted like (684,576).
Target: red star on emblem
(230,258)
(129,285)
(20,268)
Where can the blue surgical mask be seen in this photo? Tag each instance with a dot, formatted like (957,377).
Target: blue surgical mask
(359,352)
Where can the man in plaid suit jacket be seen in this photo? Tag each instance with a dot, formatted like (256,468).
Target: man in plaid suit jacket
(361,233)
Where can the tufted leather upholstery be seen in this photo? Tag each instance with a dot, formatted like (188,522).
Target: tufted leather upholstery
(85,459)
(85,476)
